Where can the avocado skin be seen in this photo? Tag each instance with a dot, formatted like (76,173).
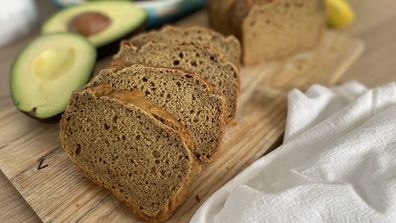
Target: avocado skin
(50,120)
(113,47)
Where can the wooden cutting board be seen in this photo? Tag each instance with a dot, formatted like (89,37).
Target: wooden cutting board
(34,162)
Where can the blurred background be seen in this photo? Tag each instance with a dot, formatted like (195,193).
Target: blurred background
(374,23)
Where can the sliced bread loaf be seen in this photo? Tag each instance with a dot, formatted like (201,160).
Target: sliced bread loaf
(203,61)
(186,96)
(228,46)
(137,151)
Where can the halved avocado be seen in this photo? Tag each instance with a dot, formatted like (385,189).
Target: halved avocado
(101,22)
(47,71)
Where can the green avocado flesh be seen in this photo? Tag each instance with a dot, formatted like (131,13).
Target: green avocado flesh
(101,22)
(48,70)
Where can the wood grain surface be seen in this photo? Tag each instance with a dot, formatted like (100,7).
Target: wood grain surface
(375,25)
(31,157)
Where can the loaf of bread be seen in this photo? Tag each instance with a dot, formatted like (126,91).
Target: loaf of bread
(192,57)
(270,29)
(228,46)
(186,96)
(218,15)
(137,151)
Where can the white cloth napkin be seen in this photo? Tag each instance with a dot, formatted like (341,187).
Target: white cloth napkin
(337,163)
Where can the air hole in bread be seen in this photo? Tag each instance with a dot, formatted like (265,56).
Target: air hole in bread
(77,149)
(115,118)
(176,62)
(106,126)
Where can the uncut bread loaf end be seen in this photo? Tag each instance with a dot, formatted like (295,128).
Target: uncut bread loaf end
(137,151)
(202,61)
(271,29)
(186,96)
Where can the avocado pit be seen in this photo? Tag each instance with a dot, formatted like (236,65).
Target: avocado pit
(89,23)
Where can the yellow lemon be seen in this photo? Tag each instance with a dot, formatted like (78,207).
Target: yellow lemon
(339,13)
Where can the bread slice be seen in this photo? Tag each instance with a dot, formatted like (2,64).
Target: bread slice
(187,97)
(271,29)
(228,46)
(137,151)
(203,61)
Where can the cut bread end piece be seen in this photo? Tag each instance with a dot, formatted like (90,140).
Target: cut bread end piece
(137,151)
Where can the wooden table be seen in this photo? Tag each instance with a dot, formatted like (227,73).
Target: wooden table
(375,25)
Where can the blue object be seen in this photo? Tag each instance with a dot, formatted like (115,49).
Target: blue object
(159,12)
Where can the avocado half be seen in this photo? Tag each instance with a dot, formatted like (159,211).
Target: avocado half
(48,70)
(103,23)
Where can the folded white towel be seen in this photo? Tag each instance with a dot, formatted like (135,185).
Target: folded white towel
(337,163)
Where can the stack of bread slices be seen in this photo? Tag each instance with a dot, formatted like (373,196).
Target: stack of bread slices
(143,127)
